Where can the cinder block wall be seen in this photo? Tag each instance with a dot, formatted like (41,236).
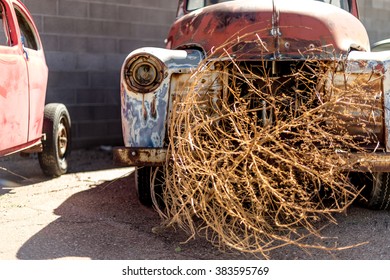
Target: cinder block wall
(85,42)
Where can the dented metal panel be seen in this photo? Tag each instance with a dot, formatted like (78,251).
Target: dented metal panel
(281,29)
(375,67)
(209,89)
(360,100)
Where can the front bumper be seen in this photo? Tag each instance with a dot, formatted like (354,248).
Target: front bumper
(359,162)
(368,162)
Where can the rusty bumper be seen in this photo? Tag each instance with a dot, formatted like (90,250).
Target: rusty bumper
(130,156)
(359,162)
(367,162)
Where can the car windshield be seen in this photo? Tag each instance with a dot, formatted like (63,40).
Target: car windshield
(197,4)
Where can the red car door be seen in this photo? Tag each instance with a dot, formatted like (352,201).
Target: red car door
(14,87)
(37,70)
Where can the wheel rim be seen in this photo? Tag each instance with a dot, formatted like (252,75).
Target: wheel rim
(62,139)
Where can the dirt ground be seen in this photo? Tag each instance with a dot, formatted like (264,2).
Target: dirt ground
(93,213)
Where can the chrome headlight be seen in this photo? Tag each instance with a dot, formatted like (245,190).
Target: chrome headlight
(144,73)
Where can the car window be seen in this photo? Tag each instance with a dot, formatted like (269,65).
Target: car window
(343,4)
(28,35)
(4,34)
(197,4)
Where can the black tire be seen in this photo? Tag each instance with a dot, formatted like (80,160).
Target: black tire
(376,192)
(57,143)
(143,184)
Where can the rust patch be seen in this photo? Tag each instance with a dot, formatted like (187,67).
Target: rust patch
(139,156)
(153,110)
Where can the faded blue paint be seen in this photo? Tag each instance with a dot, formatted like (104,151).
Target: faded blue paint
(149,131)
(144,116)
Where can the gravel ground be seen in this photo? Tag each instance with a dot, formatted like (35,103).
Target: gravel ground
(93,213)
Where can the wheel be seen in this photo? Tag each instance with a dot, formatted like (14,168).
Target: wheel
(147,177)
(376,192)
(56,145)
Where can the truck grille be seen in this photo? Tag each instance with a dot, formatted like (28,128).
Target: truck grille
(277,92)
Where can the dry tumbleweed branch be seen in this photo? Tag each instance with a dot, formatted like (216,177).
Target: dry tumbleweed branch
(256,155)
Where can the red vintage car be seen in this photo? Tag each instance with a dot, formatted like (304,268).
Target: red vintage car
(26,124)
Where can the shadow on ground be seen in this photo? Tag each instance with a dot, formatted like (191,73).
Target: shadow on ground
(107,222)
(17,171)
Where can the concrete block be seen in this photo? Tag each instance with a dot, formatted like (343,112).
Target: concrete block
(105,80)
(140,14)
(42,7)
(169,5)
(87,27)
(71,43)
(113,62)
(49,42)
(68,80)
(102,45)
(90,62)
(103,11)
(126,45)
(59,25)
(112,1)
(99,129)
(98,96)
(56,95)
(95,112)
(73,8)
(150,31)
(116,29)
(61,61)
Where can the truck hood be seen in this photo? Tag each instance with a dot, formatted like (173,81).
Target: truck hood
(271,29)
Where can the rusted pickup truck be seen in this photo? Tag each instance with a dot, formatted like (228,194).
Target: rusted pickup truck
(276,34)
(26,124)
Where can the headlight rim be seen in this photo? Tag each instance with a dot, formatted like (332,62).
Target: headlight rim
(134,63)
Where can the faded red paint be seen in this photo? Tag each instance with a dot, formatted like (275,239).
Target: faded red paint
(23,84)
(283,28)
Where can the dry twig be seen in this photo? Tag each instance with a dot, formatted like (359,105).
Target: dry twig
(255,158)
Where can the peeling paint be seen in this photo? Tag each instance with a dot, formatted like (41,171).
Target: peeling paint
(307,29)
(144,115)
